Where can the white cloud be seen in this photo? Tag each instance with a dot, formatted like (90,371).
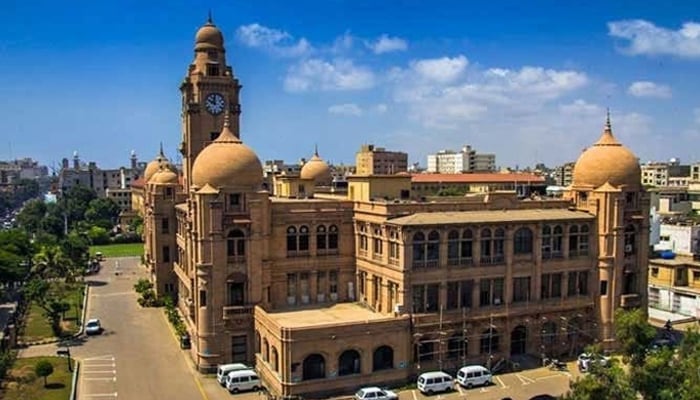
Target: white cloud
(581,108)
(648,39)
(443,70)
(381,108)
(272,40)
(350,109)
(343,43)
(387,44)
(317,74)
(649,89)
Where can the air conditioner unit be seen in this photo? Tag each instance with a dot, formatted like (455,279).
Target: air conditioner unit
(398,309)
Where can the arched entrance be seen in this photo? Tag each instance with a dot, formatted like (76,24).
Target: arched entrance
(518,340)
(314,367)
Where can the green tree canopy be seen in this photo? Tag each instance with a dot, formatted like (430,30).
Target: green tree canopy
(102,212)
(634,334)
(31,216)
(75,202)
(43,369)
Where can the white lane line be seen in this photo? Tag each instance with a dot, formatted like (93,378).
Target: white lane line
(113,379)
(109,371)
(99,365)
(459,388)
(548,376)
(524,379)
(107,357)
(500,382)
(101,395)
(413,392)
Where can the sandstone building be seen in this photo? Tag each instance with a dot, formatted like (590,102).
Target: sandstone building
(326,292)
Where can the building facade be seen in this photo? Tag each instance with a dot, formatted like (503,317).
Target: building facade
(457,162)
(371,160)
(326,292)
(98,179)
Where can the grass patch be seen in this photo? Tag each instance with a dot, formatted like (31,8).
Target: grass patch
(37,326)
(22,383)
(119,250)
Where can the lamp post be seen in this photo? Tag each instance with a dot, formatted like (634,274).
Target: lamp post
(66,353)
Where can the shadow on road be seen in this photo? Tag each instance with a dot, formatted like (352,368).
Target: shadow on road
(96,283)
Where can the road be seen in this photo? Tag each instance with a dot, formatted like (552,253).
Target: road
(138,357)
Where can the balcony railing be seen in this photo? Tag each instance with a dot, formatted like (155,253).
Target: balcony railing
(460,261)
(630,300)
(491,260)
(426,263)
(231,312)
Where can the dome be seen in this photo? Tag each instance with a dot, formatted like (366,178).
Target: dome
(209,37)
(153,166)
(607,161)
(164,176)
(227,162)
(318,170)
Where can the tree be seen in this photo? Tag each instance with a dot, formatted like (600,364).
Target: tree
(658,377)
(50,262)
(15,252)
(634,334)
(602,383)
(31,216)
(76,248)
(98,235)
(43,369)
(76,201)
(102,212)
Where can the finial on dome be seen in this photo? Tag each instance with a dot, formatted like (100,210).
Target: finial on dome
(608,126)
(209,20)
(161,150)
(227,122)
(316,149)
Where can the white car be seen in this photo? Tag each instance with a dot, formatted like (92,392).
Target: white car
(375,393)
(585,359)
(93,327)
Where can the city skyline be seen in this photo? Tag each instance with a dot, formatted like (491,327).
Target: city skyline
(405,76)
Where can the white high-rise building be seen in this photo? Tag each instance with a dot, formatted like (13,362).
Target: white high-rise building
(466,160)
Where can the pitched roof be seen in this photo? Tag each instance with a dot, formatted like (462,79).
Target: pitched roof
(490,216)
(477,178)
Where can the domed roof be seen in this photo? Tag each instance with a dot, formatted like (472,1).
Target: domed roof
(227,162)
(317,169)
(153,166)
(164,176)
(607,161)
(209,37)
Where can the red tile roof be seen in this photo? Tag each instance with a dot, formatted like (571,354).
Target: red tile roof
(477,178)
(139,183)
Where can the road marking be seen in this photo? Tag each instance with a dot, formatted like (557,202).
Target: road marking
(109,371)
(413,392)
(548,376)
(524,379)
(113,379)
(459,388)
(101,395)
(107,357)
(113,365)
(500,382)
(112,294)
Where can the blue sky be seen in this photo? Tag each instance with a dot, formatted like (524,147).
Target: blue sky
(528,81)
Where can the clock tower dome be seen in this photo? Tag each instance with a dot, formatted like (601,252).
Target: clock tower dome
(209,91)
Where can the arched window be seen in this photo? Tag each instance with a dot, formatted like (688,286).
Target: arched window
(578,240)
(364,242)
(314,367)
(383,358)
(522,241)
(426,350)
(557,240)
(332,237)
(349,363)
(304,238)
(275,359)
(453,248)
(456,347)
(257,342)
(291,239)
(235,243)
(499,240)
(546,242)
(490,341)
(419,245)
(486,246)
(433,249)
(466,247)
(266,350)
(321,238)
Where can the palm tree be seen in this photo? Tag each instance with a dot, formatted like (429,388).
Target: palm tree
(51,262)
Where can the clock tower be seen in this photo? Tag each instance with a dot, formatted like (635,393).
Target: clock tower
(209,92)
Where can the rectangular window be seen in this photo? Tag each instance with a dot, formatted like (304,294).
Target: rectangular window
(551,286)
(304,286)
(377,246)
(212,70)
(452,295)
(432,300)
(333,282)
(655,272)
(235,293)
(418,298)
(166,254)
(583,283)
(521,289)
(465,293)
(321,282)
(202,298)
(292,285)
(603,288)
(234,200)
(556,285)
(164,225)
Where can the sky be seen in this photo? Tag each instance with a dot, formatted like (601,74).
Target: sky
(529,81)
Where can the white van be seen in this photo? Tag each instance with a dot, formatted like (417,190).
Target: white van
(242,380)
(474,375)
(433,382)
(223,370)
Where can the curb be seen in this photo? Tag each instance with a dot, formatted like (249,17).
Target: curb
(22,345)
(74,389)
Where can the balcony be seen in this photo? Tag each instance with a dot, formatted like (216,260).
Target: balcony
(244,313)
(631,300)
(492,260)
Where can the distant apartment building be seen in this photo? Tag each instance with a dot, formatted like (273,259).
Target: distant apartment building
(670,173)
(24,168)
(523,184)
(669,201)
(457,162)
(563,174)
(371,160)
(98,179)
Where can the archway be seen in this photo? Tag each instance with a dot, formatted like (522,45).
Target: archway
(349,363)
(518,340)
(314,367)
(383,358)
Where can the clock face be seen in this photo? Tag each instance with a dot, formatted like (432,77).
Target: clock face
(214,103)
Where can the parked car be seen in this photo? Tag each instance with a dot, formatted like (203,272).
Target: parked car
(223,370)
(585,360)
(434,382)
(375,393)
(661,343)
(474,375)
(93,327)
(243,380)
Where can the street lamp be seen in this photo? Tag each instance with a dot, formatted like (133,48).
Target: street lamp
(66,352)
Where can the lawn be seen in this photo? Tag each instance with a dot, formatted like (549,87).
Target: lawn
(22,383)
(119,250)
(37,326)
